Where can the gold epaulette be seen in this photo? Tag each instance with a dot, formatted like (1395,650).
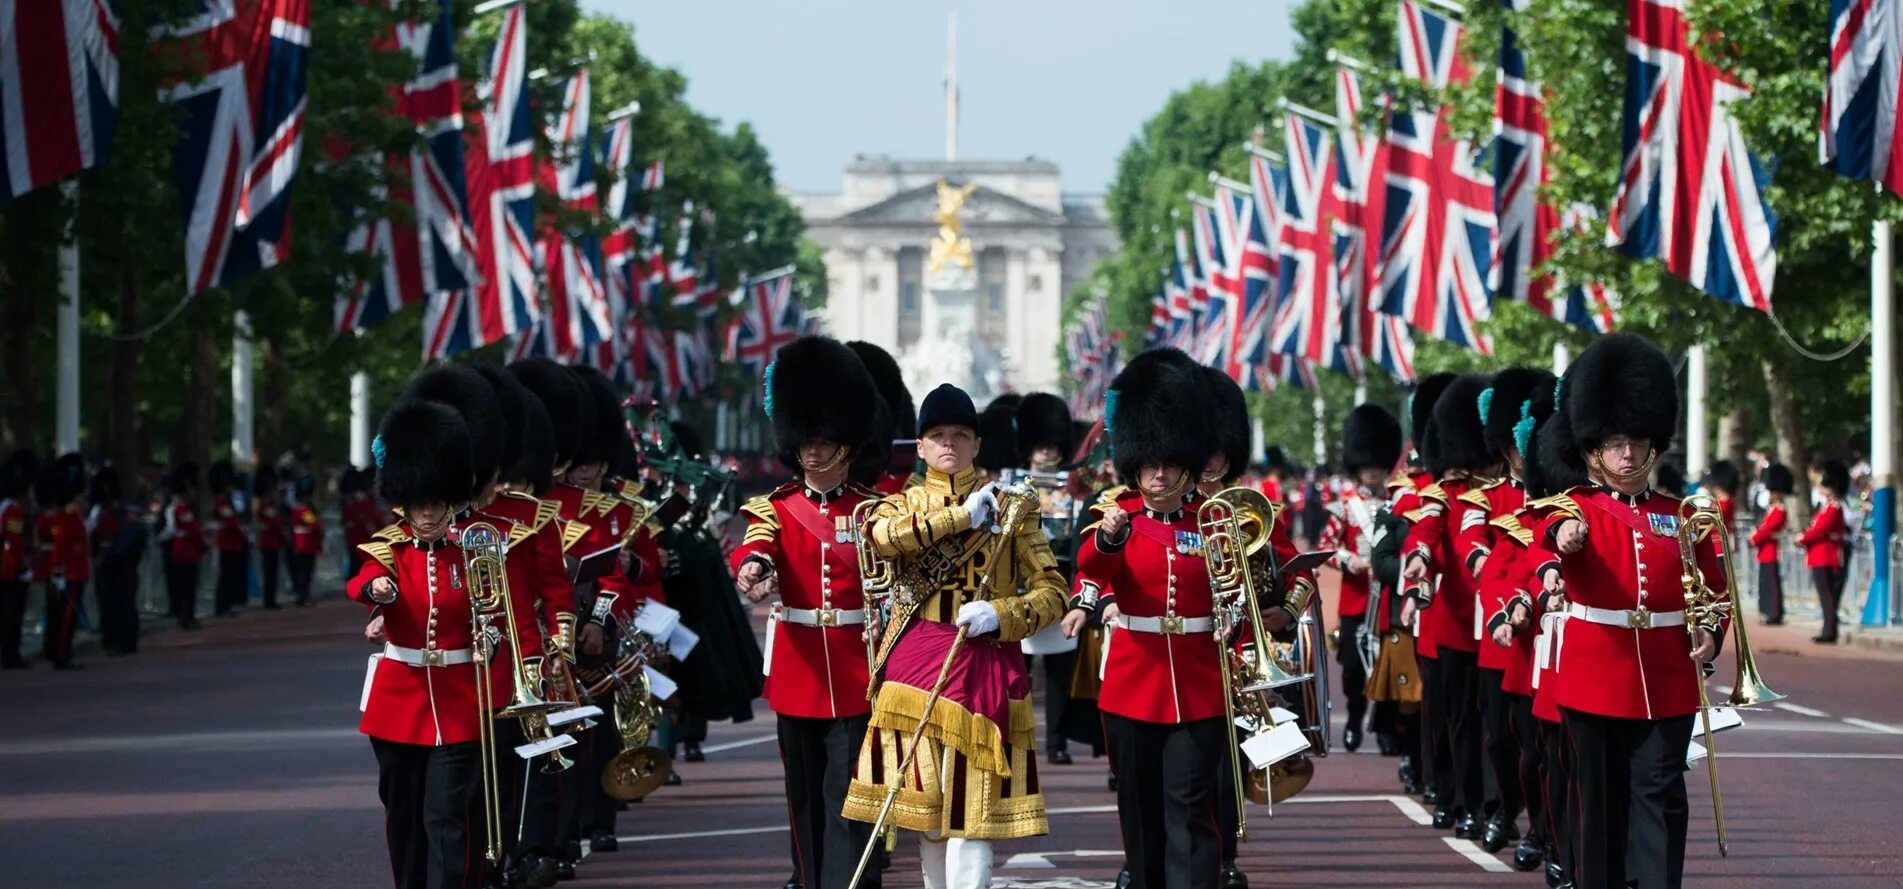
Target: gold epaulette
(1399,481)
(761,508)
(1434,492)
(866,491)
(380,551)
(1476,497)
(595,502)
(1105,501)
(572,533)
(519,532)
(1563,502)
(393,534)
(1511,524)
(627,489)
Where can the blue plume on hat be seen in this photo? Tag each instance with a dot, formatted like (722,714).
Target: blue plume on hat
(766,387)
(1523,430)
(1486,403)
(377,450)
(1109,412)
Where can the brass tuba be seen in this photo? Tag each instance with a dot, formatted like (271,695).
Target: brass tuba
(639,769)
(1698,518)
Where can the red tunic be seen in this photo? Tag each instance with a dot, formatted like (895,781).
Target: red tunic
(270,524)
(1157,677)
(1764,538)
(1503,581)
(1349,533)
(181,528)
(416,704)
(65,547)
(103,523)
(15,550)
(1448,621)
(361,517)
(1630,560)
(1823,541)
(1479,536)
(307,531)
(227,524)
(807,538)
(535,554)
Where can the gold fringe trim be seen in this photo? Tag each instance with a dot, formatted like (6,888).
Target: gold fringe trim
(900,708)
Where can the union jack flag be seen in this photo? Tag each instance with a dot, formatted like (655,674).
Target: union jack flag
(1284,370)
(1093,357)
(769,318)
(1216,327)
(1690,191)
(1437,243)
(59,90)
(1527,224)
(1310,319)
(1592,305)
(436,251)
(1251,277)
(681,272)
(1860,99)
(1360,178)
(1187,295)
(241,131)
(1159,328)
(577,315)
(500,165)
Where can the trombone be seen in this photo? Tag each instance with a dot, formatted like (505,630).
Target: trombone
(483,551)
(1699,517)
(876,575)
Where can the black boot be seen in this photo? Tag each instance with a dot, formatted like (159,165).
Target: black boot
(1123,878)
(1555,875)
(1529,853)
(1467,828)
(1443,817)
(693,752)
(1233,877)
(603,841)
(1351,738)
(1388,744)
(537,872)
(1410,782)
(793,882)
(1498,834)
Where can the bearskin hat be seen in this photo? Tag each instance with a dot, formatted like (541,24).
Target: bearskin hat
(891,382)
(1622,385)
(1228,423)
(534,465)
(1722,475)
(819,389)
(61,481)
(509,397)
(464,391)
(424,455)
(997,440)
(687,439)
(561,395)
(606,420)
(183,478)
(1155,413)
(872,458)
(1274,459)
(1043,419)
(1832,474)
(16,475)
(1457,436)
(264,482)
(106,489)
(1512,389)
(1778,479)
(1553,461)
(219,476)
(350,481)
(1420,408)
(1370,437)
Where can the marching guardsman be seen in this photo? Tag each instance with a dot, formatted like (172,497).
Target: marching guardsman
(1496,544)
(184,540)
(16,555)
(799,546)
(1768,545)
(899,410)
(359,511)
(421,706)
(1444,595)
(1416,661)
(1489,541)
(118,535)
(65,561)
(1628,687)
(271,527)
(1721,484)
(307,537)
(1826,542)
(974,776)
(997,428)
(1043,438)
(1370,449)
(230,537)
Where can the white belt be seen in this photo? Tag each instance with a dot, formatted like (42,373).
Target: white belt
(428,657)
(821,617)
(1637,619)
(1168,625)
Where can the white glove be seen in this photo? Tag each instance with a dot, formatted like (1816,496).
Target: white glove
(978,618)
(980,505)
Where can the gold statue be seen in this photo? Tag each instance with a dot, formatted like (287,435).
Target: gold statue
(950,244)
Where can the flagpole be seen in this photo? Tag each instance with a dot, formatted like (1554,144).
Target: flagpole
(1226,182)
(1562,356)
(360,418)
(1326,120)
(66,408)
(243,406)
(1259,151)
(1876,605)
(1321,429)
(1697,445)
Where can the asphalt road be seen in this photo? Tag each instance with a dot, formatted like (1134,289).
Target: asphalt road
(230,757)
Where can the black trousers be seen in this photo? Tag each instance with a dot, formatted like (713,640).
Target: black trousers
(1770,591)
(1556,780)
(1057,672)
(1437,757)
(1166,796)
(62,619)
(541,809)
(269,561)
(181,588)
(818,755)
(301,566)
(1459,683)
(1526,736)
(1830,592)
(12,620)
(1632,812)
(117,589)
(430,796)
(585,809)
(1354,675)
(1500,740)
(234,580)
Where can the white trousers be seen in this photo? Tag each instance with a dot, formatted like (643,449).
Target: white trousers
(955,863)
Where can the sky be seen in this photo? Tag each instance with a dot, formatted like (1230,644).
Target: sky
(825,80)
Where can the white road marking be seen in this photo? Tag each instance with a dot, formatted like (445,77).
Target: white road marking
(1873,726)
(1412,809)
(1043,859)
(1807,727)
(1800,710)
(1476,855)
(734,832)
(1723,755)
(735,745)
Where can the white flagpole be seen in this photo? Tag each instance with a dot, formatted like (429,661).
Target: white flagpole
(1697,443)
(243,406)
(1876,605)
(66,408)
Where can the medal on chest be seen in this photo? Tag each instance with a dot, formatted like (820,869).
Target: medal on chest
(455,577)
(842,530)
(1663,524)
(1189,543)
